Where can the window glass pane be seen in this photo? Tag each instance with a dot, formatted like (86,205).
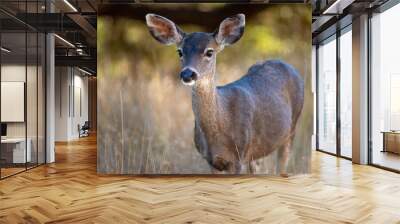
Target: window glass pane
(31,97)
(41,98)
(327,96)
(32,87)
(346,94)
(314,78)
(23,89)
(14,153)
(385,114)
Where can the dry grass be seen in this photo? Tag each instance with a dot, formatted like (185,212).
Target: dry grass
(153,129)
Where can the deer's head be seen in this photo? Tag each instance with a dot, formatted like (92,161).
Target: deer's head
(197,51)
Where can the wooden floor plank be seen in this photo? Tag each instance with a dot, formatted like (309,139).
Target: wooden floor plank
(70,191)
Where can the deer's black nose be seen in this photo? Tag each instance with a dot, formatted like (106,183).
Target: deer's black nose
(220,164)
(188,76)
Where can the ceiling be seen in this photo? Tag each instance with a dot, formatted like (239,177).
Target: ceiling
(332,15)
(74,22)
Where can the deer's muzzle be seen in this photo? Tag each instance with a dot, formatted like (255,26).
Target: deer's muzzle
(220,164)
(188,76)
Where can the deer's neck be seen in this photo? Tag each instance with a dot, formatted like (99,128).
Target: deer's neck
(206,105)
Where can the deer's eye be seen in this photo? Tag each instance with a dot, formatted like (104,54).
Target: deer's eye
(209,53)
(180,53)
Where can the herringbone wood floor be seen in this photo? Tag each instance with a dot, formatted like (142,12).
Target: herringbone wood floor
(70,191)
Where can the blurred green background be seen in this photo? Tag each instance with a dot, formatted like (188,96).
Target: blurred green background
(145,118)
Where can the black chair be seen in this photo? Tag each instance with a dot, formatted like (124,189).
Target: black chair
(84,130)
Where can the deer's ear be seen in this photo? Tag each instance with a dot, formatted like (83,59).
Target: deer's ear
(163,29)
(230,30)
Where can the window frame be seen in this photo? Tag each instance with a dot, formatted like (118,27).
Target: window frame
(334,37)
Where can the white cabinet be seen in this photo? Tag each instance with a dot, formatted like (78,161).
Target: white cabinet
(19,155)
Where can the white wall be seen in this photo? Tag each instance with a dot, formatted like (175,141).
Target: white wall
(33,126)
(13,100)
(62,82)
(81,103)
(71,94)
(12,73)
(16,73)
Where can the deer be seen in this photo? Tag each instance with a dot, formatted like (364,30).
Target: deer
(243,121)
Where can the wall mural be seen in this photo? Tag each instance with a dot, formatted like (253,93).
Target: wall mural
(204,89)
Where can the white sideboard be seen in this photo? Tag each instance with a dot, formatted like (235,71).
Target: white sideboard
(19,154)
